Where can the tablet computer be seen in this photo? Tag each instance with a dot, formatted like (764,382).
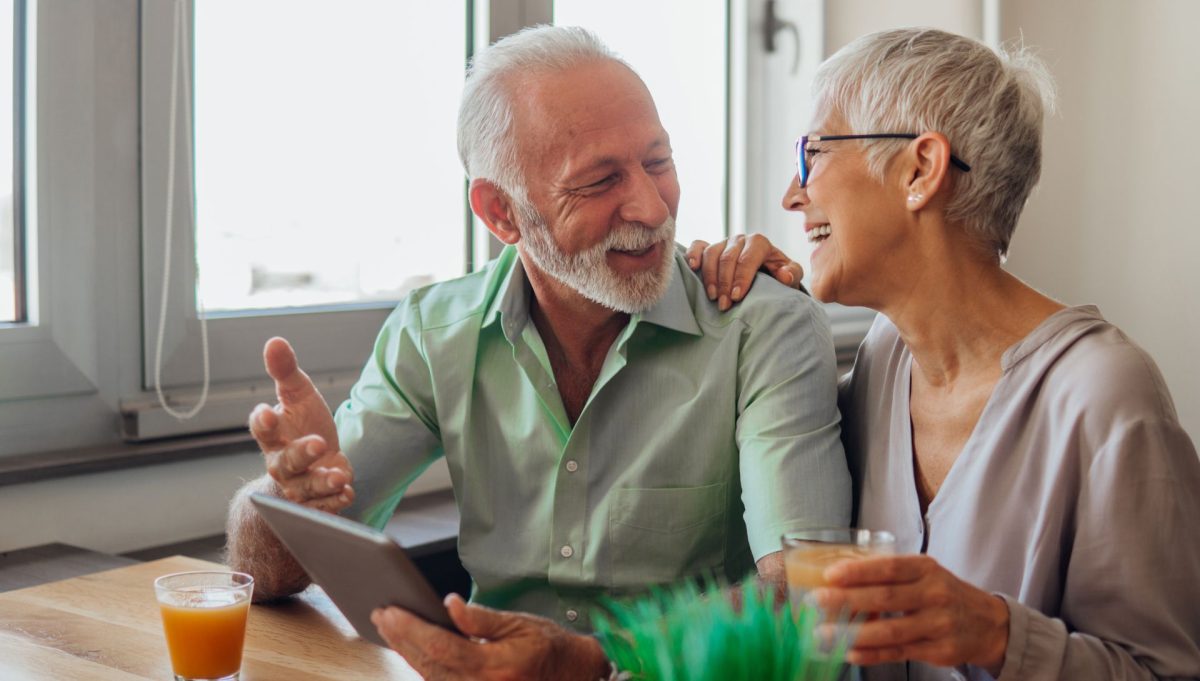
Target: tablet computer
(360,568)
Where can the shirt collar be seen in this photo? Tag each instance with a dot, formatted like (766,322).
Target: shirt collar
(674,310)
(511,304)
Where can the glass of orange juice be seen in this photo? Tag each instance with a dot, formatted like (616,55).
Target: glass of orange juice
(204,619)
(806,554)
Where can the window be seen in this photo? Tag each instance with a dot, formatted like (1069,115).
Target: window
(9,289)
(326,180)
(326,171)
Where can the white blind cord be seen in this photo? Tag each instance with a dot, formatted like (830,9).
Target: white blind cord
(179,46)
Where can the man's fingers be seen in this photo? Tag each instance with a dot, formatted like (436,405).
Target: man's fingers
(319,482)
(333,503)
(728,261)
(296,457)
(291,384)
(431,649)
(695,252)
(264,425)
(476,621)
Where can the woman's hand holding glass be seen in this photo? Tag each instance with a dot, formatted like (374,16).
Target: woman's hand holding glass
(932,615)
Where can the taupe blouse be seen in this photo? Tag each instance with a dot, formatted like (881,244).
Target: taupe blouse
(1076,498)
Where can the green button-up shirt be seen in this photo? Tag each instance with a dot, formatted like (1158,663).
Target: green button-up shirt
(706,436)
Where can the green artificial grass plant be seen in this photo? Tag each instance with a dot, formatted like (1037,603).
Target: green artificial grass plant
(690,633)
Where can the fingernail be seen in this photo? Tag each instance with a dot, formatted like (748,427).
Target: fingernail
(376,616)
(790,277)
(692,263)
(723,304)
(737,292)
(343,498)
(712,292)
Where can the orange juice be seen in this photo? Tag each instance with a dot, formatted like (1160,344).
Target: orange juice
(806,565)
(205,629)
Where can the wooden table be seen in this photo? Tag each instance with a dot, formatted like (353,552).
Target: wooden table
(106,626)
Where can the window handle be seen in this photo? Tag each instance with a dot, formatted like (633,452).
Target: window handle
(772,25)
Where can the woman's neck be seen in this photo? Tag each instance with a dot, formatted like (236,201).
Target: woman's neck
(961,313)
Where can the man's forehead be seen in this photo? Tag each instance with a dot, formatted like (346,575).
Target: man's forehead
(598,111)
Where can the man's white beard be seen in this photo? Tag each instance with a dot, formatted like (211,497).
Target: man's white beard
(588,273)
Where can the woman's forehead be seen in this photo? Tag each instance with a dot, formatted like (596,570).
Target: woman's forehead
(826,119)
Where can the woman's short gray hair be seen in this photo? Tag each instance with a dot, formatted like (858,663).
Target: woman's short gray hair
(989,105)
(485,117)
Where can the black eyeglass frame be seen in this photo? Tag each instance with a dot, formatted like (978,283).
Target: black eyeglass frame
(802,149)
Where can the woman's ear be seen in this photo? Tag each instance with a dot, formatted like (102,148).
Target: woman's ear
(929,155)
(495,208)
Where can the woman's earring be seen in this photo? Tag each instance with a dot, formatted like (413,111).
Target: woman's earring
(913,198)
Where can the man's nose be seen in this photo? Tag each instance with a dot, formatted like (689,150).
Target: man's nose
(796,197)
(644,202)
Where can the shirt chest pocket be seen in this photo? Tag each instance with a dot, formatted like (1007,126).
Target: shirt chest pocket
(660,535)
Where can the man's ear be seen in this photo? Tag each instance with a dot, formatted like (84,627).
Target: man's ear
(495,208)
(929,158)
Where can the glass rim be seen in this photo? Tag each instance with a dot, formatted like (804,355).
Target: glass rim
(159,582)
(873,537)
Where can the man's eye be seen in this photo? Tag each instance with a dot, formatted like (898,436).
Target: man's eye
(600,183)
(659,164)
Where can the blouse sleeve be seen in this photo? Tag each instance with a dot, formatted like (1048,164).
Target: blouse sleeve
(1131,606)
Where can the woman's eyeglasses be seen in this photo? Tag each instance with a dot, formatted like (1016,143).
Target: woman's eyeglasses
(802,152)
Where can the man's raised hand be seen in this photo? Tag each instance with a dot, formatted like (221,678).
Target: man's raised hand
(298,438)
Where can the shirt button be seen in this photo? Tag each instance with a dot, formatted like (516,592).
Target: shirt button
(572,615)
(566,552)
(572,466)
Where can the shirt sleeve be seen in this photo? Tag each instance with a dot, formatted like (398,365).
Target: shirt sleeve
(1130,608)
(388,426)
(792,466)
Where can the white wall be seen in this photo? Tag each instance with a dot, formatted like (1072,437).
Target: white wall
(1115,220)
(846,20)
(135,508)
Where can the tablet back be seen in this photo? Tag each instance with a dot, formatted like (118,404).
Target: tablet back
(359,567)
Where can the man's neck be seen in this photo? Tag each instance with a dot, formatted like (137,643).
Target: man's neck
(579,329)
(577,333)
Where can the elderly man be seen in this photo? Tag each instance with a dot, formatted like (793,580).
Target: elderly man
(607,426)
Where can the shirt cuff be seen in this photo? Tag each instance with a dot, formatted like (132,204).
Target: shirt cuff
(1036,644)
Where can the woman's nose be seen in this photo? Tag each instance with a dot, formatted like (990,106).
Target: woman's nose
(796,197)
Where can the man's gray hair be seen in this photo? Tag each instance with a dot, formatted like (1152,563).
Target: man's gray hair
(989,105)
(485,117)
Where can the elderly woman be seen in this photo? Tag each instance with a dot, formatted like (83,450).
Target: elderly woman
(1026,455)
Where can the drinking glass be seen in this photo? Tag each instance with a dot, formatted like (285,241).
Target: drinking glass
(806,554)
(204,619)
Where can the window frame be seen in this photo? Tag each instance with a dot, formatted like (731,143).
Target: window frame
(332,341)
(80,154)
